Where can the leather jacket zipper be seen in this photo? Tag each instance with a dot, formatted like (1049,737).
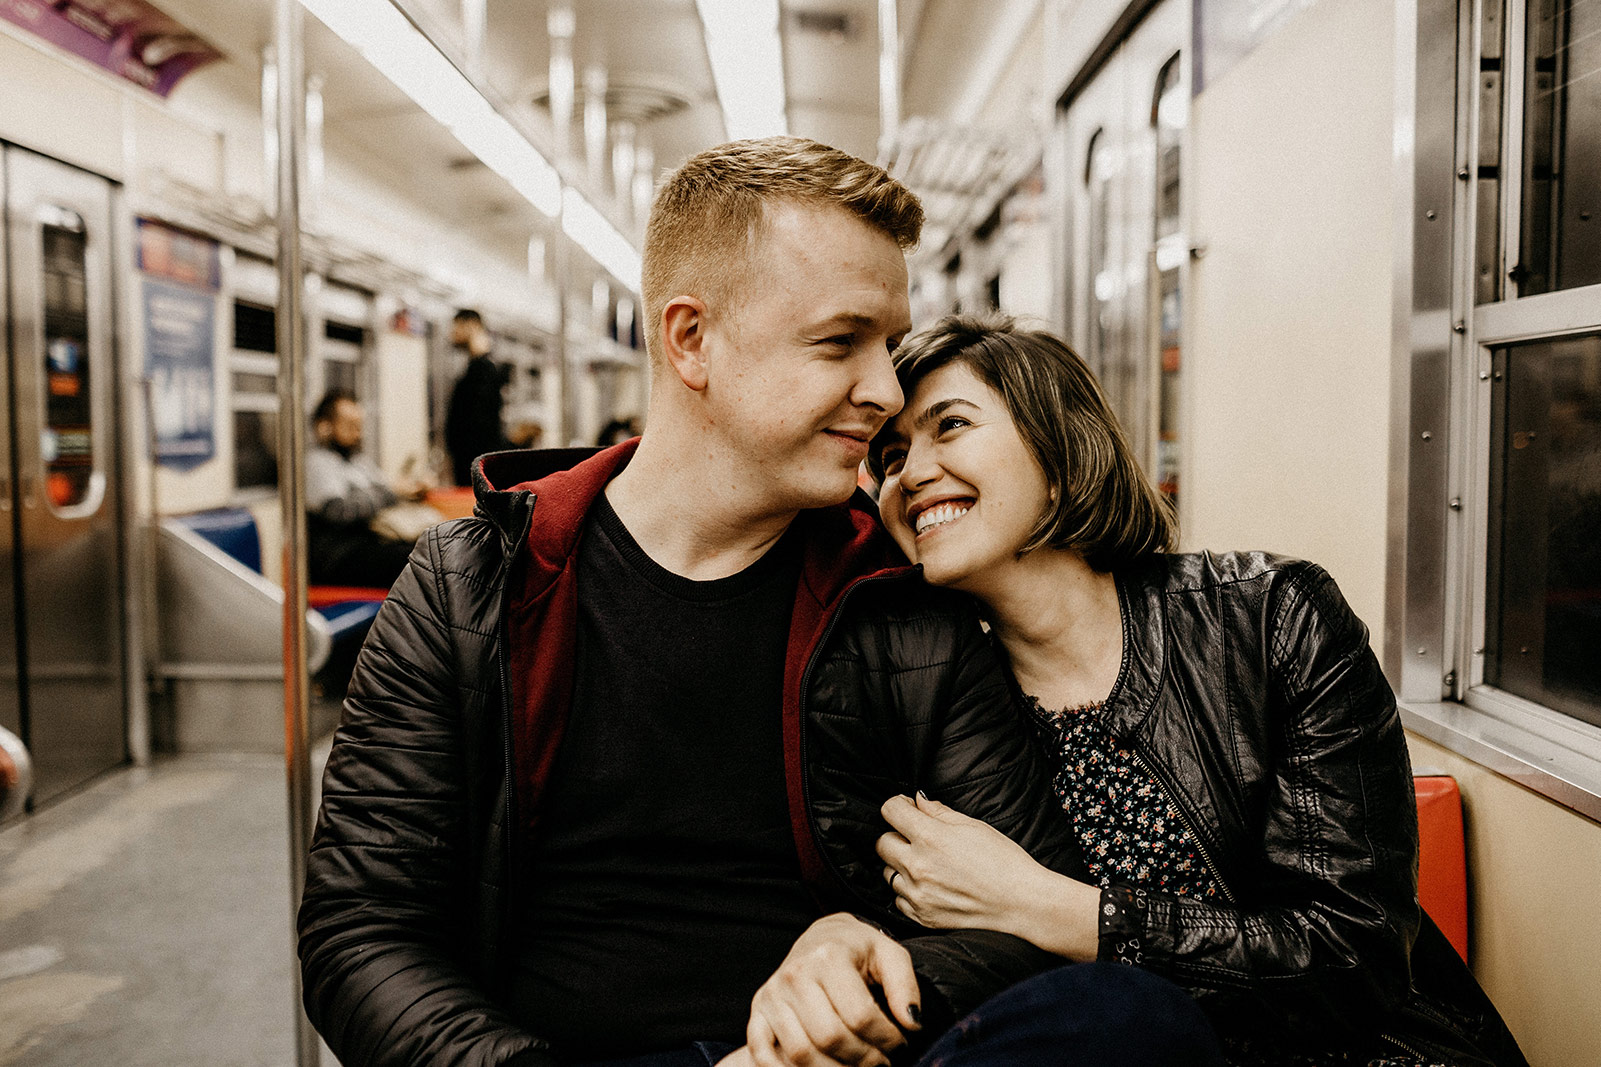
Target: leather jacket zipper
(1172,796)
(1404,1047)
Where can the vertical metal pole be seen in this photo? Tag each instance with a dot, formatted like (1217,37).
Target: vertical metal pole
(889,77)
(291,451)
(561,23)
(567,417)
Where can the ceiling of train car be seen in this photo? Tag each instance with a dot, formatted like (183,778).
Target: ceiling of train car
(658,76)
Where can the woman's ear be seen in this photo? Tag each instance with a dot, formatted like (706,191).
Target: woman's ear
(684,340)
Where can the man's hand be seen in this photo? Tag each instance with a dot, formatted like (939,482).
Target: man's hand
(818,1010)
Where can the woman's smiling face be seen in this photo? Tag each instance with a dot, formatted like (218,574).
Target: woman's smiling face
(961,492)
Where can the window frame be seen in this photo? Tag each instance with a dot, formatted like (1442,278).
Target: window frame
(1440,505)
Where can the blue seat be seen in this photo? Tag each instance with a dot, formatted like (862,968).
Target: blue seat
(234,531)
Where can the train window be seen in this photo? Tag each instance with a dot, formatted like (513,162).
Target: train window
(1169,115)
(1543,615)
(1489,278)
(255,328)
(66,440)
(341,352)
(255,455)
(1104,281)
(1561,210)
(254,367)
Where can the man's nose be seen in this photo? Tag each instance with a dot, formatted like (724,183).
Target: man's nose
(878,386)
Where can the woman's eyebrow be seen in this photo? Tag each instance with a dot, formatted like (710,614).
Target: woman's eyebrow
(940,407)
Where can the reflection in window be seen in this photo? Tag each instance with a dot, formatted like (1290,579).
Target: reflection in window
(1561,226)
(1169,114)
(1544,614)
(1104,355)
(66,442)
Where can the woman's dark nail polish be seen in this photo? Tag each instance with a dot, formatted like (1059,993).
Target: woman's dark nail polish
(916,1013)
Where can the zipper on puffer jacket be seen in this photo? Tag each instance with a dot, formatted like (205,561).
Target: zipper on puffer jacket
(805,690)
(503,664)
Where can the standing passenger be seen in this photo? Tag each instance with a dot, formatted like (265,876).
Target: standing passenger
(472,421)
(615,747)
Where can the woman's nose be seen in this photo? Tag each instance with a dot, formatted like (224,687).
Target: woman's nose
(918,469)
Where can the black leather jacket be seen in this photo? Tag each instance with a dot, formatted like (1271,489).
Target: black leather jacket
(412,879)
(1249,689)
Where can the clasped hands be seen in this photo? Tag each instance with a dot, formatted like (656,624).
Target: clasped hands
(819,1008)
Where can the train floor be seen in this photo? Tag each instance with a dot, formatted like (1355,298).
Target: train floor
(145,920)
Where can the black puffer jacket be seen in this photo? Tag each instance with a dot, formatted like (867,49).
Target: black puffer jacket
(1249,689)
(412,878)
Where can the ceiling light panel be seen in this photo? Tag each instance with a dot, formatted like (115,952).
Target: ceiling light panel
(387,40)
(747,57)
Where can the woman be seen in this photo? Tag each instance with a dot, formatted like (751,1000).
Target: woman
(1227,748)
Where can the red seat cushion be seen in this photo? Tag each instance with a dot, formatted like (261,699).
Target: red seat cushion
(1442,860)
(320,596)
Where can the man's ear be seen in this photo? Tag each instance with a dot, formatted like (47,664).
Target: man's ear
(684,340)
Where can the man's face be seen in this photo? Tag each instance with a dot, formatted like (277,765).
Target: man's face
(799,373)
(344,431)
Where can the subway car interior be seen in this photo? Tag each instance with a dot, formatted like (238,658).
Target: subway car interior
(1337,264)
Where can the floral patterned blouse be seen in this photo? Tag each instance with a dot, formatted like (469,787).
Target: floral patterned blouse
(1133,834)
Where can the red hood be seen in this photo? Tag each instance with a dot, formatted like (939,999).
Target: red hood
(844,543)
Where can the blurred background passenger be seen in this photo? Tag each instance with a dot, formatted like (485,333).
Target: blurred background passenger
(345,493)
(617,431)
(472,421)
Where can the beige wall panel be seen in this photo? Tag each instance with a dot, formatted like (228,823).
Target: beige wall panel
(1534,913)
(1288,371)
(167,145)
(402,445)
(59,107)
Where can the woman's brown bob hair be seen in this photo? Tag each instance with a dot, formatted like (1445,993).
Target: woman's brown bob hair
(1102,506)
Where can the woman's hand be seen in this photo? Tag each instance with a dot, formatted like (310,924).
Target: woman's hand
(952,872)
(818,1008)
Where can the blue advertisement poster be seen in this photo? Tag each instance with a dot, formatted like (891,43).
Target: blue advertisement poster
(179,324)
(182,273)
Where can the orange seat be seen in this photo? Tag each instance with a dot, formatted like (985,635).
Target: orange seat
(453,502)
(322,596)
(1442,859)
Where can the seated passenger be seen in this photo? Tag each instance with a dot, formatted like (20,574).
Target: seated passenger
(345,492)
(1224,742)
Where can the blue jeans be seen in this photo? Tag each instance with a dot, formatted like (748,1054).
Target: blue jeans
(699,1054)
(1081,1015)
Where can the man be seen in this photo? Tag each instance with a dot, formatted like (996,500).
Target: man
(614,748)
(472,420)
(345,491)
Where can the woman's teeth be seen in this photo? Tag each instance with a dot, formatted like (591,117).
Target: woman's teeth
(939,516)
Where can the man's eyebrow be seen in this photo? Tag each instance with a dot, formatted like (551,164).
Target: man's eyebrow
(854,319)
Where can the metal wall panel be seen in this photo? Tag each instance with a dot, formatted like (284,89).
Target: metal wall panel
(1419,674)
(62,410)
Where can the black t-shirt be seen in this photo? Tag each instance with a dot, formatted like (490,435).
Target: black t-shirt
(664,884)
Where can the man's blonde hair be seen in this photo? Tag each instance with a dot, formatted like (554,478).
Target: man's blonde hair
(708,217)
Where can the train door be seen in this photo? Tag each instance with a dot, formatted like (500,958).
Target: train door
(64,684)
(1121,132)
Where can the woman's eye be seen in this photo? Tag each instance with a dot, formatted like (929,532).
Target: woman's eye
(890,460)
(952,422)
